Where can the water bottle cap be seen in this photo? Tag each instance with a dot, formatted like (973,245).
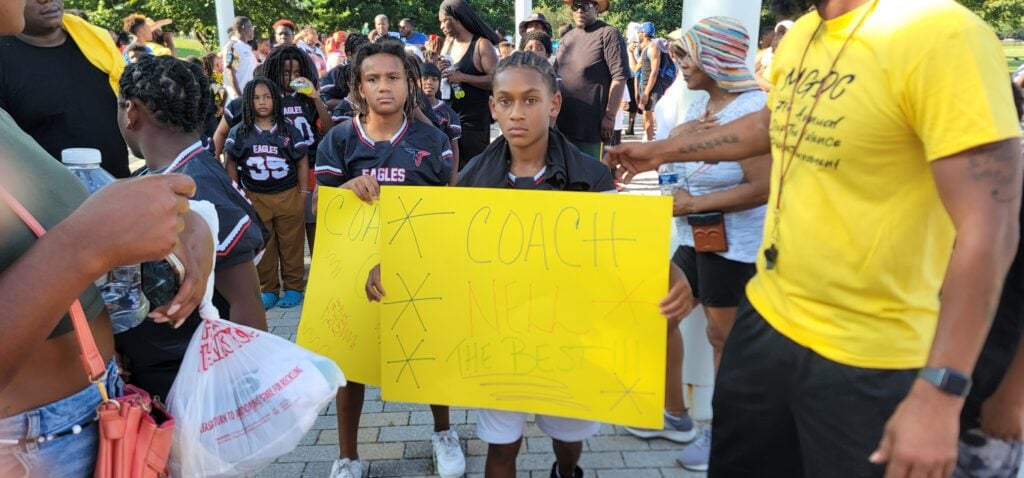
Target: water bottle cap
(81,156)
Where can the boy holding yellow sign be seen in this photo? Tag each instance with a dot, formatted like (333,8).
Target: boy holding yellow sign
(530,155)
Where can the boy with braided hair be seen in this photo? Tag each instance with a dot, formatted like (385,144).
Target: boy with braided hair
(161,110)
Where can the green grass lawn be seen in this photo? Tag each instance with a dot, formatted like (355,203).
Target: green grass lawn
(1014,56)
(188,47)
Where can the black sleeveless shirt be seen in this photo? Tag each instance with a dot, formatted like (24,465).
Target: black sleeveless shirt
(473,109)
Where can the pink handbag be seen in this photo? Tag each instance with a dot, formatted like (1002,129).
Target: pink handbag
(135,431)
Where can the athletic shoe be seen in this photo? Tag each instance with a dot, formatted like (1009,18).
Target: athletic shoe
(448,458)
(576,474)
(679,430)
(345,468)
(695,456)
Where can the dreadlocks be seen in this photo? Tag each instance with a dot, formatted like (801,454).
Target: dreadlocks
(273,68)
(177,93)
(249,111)
(385,48)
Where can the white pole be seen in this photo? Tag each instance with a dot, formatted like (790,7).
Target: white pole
(225,14)
(523,10)
(698,366)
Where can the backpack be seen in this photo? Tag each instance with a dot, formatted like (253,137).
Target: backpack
(668,69)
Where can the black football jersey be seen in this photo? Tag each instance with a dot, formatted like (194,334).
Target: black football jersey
(296,112)
(448,120)
(233,111)
(419,155)
(343,112)
(334,84)
(241,233)
(267,159)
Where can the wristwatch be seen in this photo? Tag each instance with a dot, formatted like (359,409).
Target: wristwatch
(947,380)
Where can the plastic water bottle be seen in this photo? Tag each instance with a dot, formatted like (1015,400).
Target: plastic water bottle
(668,180)
(302,86)
(121,288)
(446,89)
(446,86)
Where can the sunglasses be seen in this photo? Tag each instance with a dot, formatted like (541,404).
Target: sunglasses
(581,6)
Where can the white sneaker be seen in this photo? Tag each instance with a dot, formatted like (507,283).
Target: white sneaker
(449,461)
(345,468)
(679,430)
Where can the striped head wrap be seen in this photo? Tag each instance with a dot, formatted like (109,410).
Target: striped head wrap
(720,45)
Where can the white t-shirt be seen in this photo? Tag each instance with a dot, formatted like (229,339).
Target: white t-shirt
(239,57)
(666,111)
(620,115)
(742,228)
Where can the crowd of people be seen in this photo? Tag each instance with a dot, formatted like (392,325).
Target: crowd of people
(865,323)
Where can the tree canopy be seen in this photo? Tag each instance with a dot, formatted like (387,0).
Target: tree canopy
(198,16)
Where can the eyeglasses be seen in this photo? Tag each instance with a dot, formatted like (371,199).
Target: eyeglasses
(581,6)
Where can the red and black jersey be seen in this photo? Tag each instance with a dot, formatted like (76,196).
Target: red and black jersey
(267,159)
(343,112)
(297,112)
(241,232)
(448,120)
(418,154)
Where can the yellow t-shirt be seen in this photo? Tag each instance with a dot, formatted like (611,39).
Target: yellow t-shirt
(863,237)
(158,49)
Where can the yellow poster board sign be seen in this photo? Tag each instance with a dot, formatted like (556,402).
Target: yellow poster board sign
(535,301)
(338,321)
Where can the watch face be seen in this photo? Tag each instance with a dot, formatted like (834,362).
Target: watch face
(957,384)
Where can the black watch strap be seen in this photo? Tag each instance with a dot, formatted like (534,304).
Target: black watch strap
(950,381)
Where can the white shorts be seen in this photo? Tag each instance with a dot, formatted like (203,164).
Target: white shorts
(498,427)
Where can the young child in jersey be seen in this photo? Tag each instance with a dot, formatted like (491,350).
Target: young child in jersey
(267,156)
(305,110)
(531,155)
(430,83)
(384,145)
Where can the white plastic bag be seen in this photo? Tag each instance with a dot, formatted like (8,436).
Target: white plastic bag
(243,398)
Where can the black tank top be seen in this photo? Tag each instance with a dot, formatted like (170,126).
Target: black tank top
(646,74)
(473,110)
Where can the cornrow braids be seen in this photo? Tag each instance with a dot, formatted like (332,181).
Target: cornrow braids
(529,60)
(397,50)
(249,111)
(177,93)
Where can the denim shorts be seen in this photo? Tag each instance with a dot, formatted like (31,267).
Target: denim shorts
(70,455)
(981,456)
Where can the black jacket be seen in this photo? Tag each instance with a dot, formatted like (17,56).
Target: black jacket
(568,169)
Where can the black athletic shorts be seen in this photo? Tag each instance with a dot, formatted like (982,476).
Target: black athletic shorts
(782,410)
(716,281)
(652,100)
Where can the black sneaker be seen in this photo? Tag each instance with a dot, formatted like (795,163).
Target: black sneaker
(554,472)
